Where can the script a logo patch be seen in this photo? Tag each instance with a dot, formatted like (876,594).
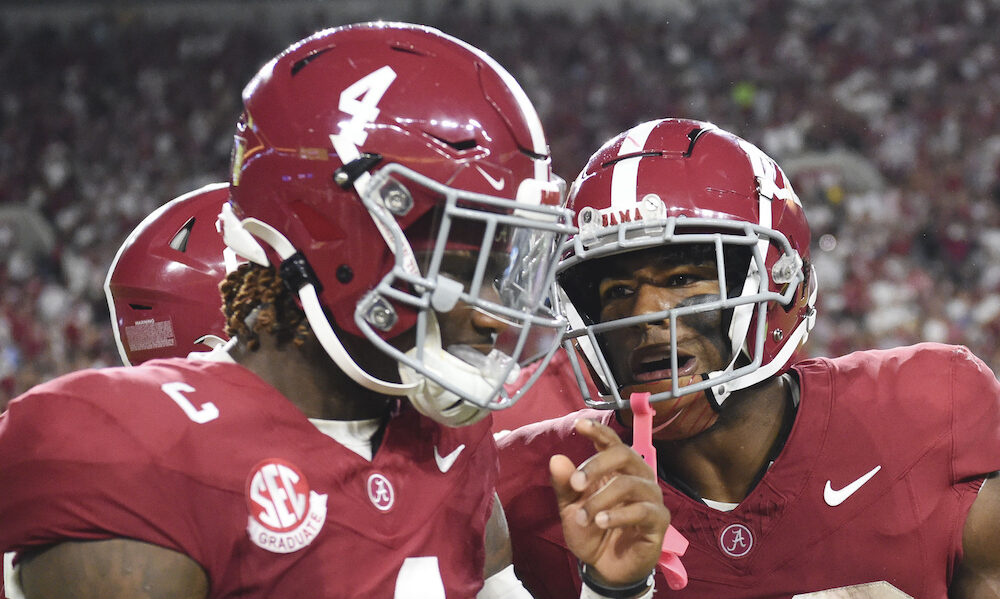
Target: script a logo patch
(736,540)
(285,514)
(380,492)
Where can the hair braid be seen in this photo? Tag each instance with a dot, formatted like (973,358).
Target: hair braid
(254,287)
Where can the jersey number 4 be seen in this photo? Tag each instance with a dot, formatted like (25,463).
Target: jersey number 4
(419,578)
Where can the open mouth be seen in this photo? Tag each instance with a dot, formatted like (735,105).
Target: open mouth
(655,366)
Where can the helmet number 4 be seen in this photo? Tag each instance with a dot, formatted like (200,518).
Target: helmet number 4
(360,100)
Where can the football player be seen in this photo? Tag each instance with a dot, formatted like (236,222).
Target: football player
(392,197)
(163,289)
(163,285)
(689,285)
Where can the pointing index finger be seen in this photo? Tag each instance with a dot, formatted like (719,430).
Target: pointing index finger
(602,435)
(613,458)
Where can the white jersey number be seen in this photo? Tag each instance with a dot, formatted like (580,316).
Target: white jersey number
(419,578)
(11,588)
(206,412)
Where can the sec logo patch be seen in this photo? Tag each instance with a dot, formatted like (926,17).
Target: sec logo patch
(285,513)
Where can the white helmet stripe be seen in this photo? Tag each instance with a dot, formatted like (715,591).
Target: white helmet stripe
(626,172)
(635,139)
(764,169)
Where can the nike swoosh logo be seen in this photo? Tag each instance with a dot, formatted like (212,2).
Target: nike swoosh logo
(834,497)
(497,184)
(446,462)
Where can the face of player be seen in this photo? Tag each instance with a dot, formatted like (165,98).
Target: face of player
(465,325)
(656,280)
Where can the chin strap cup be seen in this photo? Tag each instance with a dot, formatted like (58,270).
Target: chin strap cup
(433,400)
(439,404)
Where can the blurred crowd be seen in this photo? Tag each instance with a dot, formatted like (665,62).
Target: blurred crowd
(884,113)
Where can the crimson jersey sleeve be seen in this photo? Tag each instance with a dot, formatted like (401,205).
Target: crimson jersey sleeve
(974,395)
(207,459)
(64,449)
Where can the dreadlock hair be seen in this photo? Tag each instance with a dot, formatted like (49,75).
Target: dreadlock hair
(254,287)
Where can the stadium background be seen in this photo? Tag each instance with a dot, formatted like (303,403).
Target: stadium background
(884,113)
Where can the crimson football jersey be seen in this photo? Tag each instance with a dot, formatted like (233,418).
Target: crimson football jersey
(208,460)
(886,455)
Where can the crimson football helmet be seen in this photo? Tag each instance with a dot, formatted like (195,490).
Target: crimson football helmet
(364,153)
(163,285)
(672,182)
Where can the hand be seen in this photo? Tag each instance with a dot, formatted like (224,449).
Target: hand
(611,506)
